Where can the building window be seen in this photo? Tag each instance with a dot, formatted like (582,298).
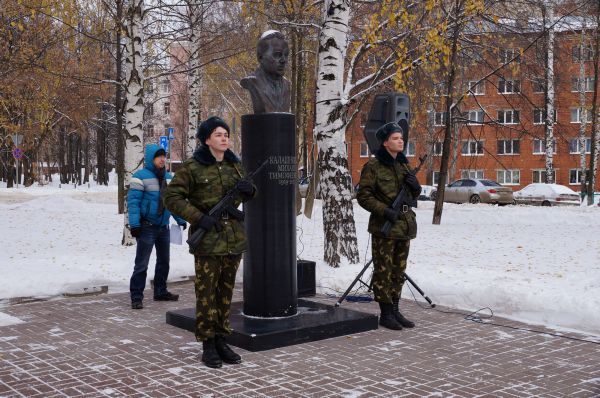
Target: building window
(509,86)
(411,148)
(539,116)
(476,117)
(507,55)
(585,84)
(508,177)
(588,53)
(438,146)
(364,150)
(539,176)
(539,146)
(472,148)
(165,86)
(575,146)
(167,108)
(464,174)
(151,129)
(509,116)
(538,85)
(476,87)
(577,114)
(440,118)
(575,176)
(509,147)
(435,177)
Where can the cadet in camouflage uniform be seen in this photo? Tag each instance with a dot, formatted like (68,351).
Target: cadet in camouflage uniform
(380,181)
(196,188)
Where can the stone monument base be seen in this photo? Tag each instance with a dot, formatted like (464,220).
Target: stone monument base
(314,321)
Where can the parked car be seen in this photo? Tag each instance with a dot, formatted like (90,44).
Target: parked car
(428,192)
(478,191)
(547,195)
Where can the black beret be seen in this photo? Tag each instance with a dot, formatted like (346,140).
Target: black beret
(208,126)
(386,130)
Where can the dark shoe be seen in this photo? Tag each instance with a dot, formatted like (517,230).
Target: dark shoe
(137,304)
(168,296)
(210,357)
(387,319)
(400,318)
(225,352)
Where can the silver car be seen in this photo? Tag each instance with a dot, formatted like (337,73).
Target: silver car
(547,195)
(478,191)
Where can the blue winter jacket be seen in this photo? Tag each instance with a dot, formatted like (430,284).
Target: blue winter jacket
(144,194)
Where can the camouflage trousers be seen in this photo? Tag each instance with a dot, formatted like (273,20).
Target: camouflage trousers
(215,279)
(389,264)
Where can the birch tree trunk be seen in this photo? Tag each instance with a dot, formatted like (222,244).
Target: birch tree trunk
(550,97)
(330,128)
(595,137)
(195,74)
(134,102)
(582,88)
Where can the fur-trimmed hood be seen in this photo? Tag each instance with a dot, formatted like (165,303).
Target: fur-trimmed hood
(384,157)
(203,155)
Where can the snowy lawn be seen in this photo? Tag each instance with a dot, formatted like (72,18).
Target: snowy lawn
(540,265)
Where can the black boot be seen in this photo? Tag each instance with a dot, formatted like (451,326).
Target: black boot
(225,352)
(387,319)
(210,357)
(399,317)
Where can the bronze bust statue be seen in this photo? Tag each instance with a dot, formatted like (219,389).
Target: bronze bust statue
(269,89)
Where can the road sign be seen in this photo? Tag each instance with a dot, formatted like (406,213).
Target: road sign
(17,153)
(164,143)
(17,139)
(171,131)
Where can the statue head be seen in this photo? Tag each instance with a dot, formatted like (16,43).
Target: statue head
(272,52)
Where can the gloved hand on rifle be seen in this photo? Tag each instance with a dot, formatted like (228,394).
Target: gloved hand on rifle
(411,180)
(206,222)
(245,187)
(391,215)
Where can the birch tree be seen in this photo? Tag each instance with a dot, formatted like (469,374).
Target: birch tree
(196,18)
(134,103)
(549,122)
(582,105)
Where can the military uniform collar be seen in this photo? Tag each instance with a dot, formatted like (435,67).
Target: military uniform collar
(384,157)
(203,156)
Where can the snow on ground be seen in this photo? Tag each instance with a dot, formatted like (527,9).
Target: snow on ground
(540,265)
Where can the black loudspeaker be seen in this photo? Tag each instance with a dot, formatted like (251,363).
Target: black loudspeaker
(306,278)
(386,108)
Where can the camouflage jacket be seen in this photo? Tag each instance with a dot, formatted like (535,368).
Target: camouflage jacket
(380,181)
(199,185)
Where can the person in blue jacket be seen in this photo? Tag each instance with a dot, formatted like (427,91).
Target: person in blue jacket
(149,224)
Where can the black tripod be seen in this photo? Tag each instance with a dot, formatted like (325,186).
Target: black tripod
(360,274)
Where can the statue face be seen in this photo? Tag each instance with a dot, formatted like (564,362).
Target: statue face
(275,58)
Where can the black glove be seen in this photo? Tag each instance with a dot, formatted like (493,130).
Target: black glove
(206,222)
(183,226)
(411,180)
(390,214)
(136,232)
(245,187)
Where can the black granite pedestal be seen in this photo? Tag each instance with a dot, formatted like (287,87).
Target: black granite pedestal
(313,321)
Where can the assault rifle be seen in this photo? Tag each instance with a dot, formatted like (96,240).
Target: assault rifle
(224,205)
(403,200)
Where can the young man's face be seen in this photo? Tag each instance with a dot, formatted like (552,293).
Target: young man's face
(274,59)
(218,140)
(159,161)
(394,143)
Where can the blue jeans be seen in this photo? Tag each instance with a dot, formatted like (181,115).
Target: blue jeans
(152,235)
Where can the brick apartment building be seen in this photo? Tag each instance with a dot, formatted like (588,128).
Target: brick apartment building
(511,151)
